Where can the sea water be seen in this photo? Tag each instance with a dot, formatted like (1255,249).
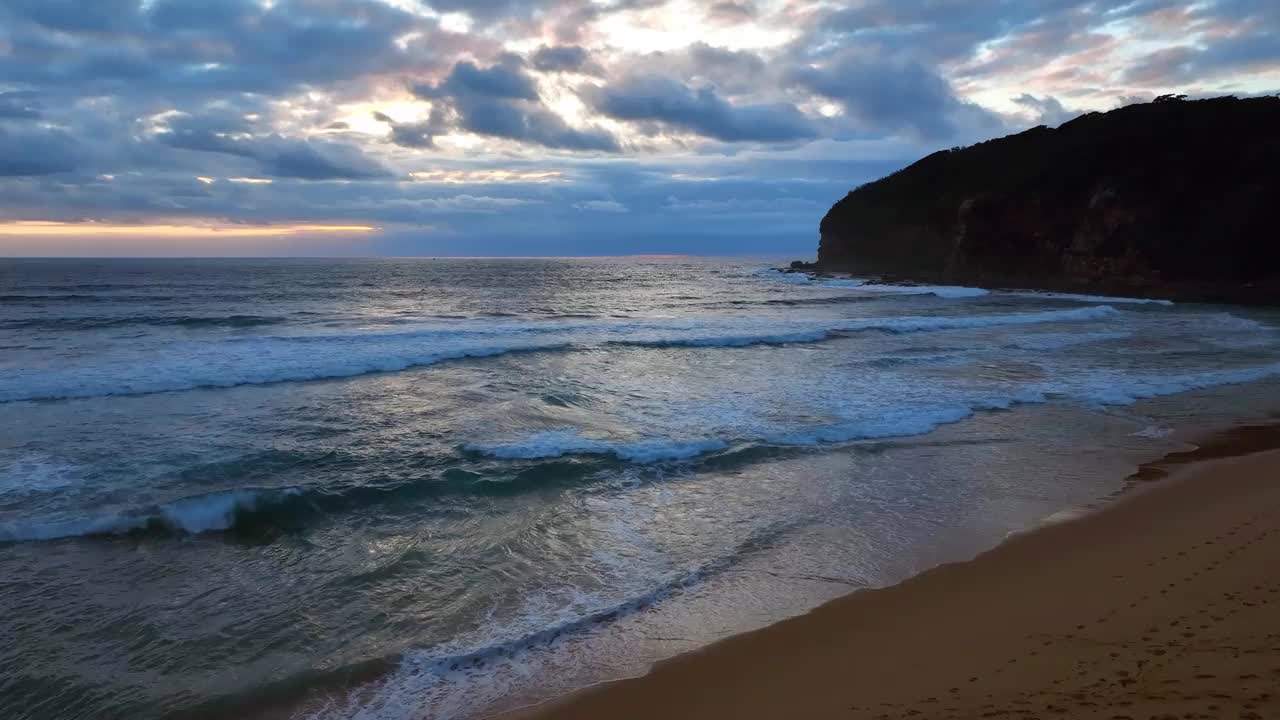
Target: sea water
(437,488)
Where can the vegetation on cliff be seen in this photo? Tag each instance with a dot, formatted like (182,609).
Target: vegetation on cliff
(1174,197)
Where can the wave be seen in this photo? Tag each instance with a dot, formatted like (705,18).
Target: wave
(889,423)
(94,323)
(796,302)
(870,286)
(262,359)
(294,507)
(285,508)
(1075,297)
(17,298)
(558,443)
(1106,389)
(1058,341)
(35,473)
(950,292)
(1096,389)
(451,680)
(194,514)
(909,324)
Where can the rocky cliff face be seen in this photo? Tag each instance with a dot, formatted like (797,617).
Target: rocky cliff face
(1173,198)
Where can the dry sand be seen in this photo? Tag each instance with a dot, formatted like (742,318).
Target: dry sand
(1164,604)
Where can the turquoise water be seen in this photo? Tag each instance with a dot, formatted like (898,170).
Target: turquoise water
(431,488)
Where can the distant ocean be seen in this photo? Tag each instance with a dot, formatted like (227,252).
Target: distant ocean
(402,489)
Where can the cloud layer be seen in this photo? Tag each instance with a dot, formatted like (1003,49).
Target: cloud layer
(557,126)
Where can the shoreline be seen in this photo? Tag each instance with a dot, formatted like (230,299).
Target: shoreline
(1248,296)
(1154,601)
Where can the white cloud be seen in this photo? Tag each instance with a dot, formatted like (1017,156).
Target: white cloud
(610,206)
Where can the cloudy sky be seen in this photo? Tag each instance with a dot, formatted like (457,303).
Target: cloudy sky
(529,127)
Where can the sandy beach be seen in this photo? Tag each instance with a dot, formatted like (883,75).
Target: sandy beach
(1163,604)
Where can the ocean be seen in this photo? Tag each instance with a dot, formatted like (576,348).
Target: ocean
(430,488)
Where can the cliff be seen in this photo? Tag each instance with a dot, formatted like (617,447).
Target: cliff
(1173,198)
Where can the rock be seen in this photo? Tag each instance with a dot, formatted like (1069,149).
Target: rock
(1174,198)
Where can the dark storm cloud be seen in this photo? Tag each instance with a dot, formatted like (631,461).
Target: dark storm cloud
(37,152)
(731,72)
(502,101)
(312,160)
(884,96)
(564,58)
(19,105)
(528,122)
(648,98)
(416,135)
(274,155)
(506,80)
(1047,110)
(178,48)
(732,13)
(490,9)
(75,15)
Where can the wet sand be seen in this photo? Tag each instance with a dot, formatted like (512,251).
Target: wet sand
(1163,604)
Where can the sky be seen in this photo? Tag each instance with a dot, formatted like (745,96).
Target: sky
(543,127)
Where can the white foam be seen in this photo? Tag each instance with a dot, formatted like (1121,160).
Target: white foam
(1075,297)
(890,423)
(942,291)
(1115,389)
(918,324)
(867,419)
(548,636)
(1231,332)
(268,359)
(729,339)
(1153,432)
(558,443)
(1226,322)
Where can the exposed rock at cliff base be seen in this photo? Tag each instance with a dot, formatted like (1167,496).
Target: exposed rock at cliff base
(1174,198)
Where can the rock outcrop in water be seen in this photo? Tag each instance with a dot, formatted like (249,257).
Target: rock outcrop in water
(1173,198)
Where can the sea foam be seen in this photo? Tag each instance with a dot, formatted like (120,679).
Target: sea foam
(1075,297)
(484,667)
(558,443)
(255,360)
(873,423)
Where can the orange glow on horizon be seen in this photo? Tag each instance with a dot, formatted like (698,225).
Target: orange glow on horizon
(29,228)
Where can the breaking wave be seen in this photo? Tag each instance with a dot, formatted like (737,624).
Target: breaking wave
(195,514)
(257,360)
(888,422)
(558,443)
(476,670)
(1075,297)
